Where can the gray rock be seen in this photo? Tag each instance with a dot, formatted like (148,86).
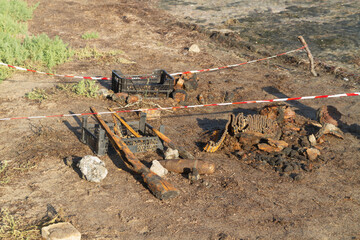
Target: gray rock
(157,168)
(171,153)
(92,168)
(60,231)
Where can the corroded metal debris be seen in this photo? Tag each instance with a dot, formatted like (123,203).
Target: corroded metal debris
(252,124)
(277,136)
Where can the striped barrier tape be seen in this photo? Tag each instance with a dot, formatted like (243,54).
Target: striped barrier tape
(145,77)
(192,106)
(238,64)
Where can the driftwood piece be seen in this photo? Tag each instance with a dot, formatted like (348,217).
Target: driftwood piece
(311,59)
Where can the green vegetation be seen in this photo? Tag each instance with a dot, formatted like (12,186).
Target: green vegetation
(37,94)
(93,53)
(3,177)
(17,48)
(86,87)
(12,228)
(90,35)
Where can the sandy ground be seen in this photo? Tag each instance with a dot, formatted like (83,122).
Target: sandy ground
(239,201)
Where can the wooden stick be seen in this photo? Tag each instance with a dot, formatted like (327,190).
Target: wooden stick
(182,152)
(158,186)
(125,123)
(311,59)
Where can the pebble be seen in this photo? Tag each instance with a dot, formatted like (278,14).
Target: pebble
(312,153)
(194,48)
(288,168)
(312,140)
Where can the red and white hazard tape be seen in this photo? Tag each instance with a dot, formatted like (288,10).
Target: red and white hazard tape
(51,74)
(238,64)
(139,77)
(192,106)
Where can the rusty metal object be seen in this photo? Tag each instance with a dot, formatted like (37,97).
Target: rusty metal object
(179,95)
(133,98)
(179,84)
(218,138)
(257,125)
(328,114)
(186,165)
(279,113)
(158,186)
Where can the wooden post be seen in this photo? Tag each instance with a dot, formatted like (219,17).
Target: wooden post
(311,59)
(158,186)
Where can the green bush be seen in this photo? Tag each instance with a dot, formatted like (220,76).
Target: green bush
(16,48)
(37,94)
(17,9)
(46,51)
(86,88)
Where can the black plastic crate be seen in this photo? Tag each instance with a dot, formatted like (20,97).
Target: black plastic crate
(94,136)
(157,82)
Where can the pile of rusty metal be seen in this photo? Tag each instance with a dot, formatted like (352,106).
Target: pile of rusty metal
(277,136)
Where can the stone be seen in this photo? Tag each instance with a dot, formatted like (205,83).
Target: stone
(60,231)
(232,22)
(92,168)
(249,139)
(288,168)
(312,140)
(280,144)
(201,99)
(312,153)
(267,148)
(229,96)
(194,48)
(304,141)
(194,175)
(157,168)
(287,151)
(171,153)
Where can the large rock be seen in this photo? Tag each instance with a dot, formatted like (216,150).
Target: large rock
(157,168)
(92,168)
(60,231)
